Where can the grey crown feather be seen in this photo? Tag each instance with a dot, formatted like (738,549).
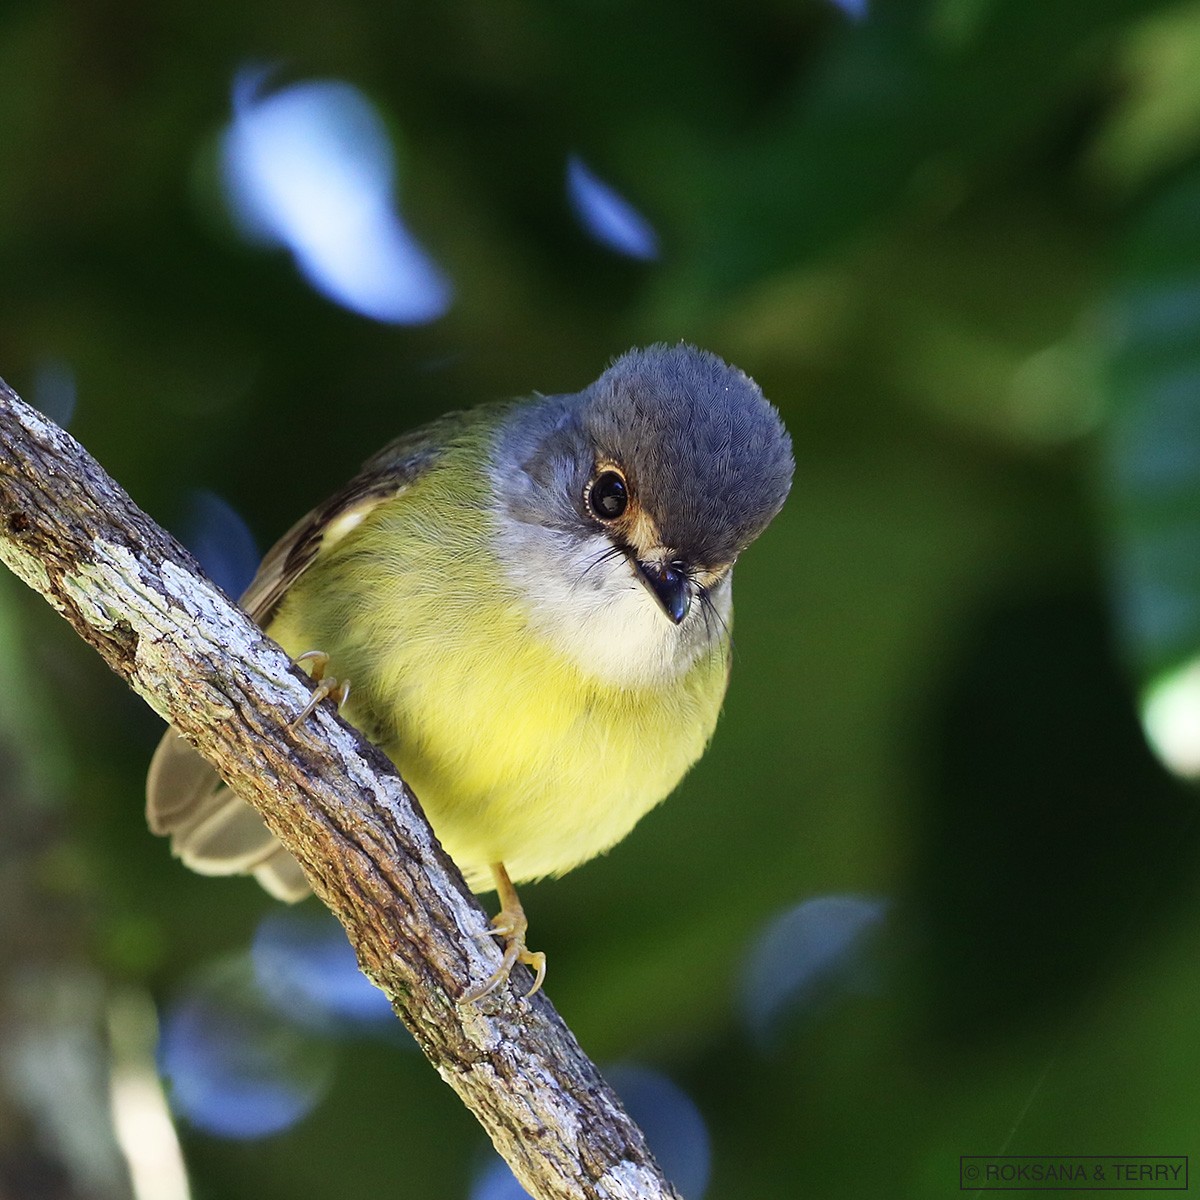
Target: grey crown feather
(712,459)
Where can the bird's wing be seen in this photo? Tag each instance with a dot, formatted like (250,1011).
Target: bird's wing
(211,830)
(382,477)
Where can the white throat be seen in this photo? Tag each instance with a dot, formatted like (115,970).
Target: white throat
(589,604)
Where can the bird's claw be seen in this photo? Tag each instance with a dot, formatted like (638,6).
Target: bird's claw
(327,687)
(500,929)
(510,927)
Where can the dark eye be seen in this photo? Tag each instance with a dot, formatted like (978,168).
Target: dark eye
(608,496)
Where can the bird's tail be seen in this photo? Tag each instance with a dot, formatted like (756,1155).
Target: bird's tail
(211,830)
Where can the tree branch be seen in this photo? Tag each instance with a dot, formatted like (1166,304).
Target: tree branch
(334,800)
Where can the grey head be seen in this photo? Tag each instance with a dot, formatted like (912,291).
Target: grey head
(667,467)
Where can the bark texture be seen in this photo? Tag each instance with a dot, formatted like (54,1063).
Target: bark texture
(131,591)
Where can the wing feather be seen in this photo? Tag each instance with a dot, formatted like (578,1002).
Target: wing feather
(211,829)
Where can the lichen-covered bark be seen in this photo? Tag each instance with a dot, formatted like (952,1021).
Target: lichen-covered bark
(131,591)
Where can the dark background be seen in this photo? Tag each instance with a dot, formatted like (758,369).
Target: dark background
(931,892)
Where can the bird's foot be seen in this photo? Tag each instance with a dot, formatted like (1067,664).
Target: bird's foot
(509,925)
(510,928)
(337,690)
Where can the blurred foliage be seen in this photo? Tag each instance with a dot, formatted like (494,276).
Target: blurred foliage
(957,243)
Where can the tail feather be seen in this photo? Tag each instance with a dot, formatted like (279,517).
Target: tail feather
(281,876)
(211,830)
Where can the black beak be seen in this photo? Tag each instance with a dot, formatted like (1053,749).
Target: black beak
(669,586)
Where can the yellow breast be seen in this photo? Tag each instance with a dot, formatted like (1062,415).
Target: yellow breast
(517,754)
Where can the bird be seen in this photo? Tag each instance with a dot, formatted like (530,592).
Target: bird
(528,606)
